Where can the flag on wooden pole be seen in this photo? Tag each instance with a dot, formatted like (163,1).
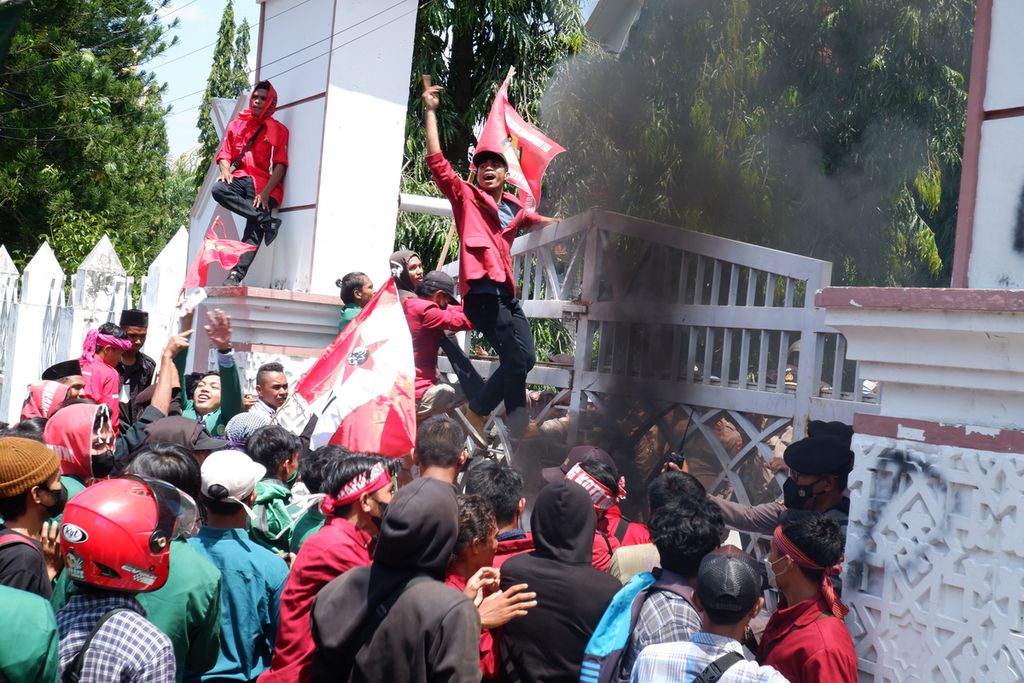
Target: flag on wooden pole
(214,248)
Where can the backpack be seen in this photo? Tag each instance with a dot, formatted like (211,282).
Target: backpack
(602,658)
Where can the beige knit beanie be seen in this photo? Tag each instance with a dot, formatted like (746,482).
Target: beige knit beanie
(24,463)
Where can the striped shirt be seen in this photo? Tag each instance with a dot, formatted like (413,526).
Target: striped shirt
(685,661)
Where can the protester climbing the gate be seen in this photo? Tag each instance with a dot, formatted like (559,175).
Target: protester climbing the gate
(430,315)
(253,159)
(807,640)
(728,596)
(487,220)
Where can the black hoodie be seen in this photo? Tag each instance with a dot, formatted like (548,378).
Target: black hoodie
(432,632)
(547,644)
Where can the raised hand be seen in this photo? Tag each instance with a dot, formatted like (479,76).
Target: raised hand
(218,328)
(176,343)
(431,94)
(50,540)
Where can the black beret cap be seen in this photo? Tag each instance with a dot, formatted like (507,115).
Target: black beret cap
(819,455)
(63,369)
(835,429)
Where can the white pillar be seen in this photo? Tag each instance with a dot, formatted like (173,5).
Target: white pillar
(98,293)
(160,289)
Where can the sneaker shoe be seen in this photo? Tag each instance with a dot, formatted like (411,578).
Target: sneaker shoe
(476,423)
(270,229)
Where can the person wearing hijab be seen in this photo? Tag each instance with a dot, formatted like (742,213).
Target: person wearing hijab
(253,160)
(407,268)
(44,399)
(82,437)
(547,644)
(396,620)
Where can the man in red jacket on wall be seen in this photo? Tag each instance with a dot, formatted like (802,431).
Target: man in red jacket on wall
(253,158)
(487,219)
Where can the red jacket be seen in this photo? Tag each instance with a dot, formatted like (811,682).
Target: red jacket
(606,542)
(488,651)
(330,552)
(427,324)
(103,385)
(512,547)
(807,644)
(485,247)
(270,148)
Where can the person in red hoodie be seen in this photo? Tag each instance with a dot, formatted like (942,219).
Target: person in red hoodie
(362,486)
(487,220)
(82,437)
(101,352)
(503,486)
(253,159)
(807,640)
(595,470)
(430,315)
(470,571)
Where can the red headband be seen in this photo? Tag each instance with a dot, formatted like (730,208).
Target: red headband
(366,482)
(94,338)
(599,493)
(785,546)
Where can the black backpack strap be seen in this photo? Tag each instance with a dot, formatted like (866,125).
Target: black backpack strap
(74,670)
(716,669)
(621,528)
(248,145)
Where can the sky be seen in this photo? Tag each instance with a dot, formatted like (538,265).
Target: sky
(186,66)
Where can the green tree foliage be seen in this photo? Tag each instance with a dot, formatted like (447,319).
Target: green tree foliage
(468,46)
(229,76)
(82,139)
(831,128)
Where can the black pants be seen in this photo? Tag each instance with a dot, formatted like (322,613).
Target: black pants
(237,197)
(502,322)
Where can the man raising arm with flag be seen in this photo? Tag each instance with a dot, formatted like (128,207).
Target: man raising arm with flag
(487,219)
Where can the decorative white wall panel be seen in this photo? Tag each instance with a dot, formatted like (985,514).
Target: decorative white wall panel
(935,563)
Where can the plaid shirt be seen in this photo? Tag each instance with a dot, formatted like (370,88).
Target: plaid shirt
(127,647)
(685,661)
(664,618)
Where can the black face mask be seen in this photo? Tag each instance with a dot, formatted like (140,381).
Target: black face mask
(102,464)
(379,521)
(796,497)
(60,499)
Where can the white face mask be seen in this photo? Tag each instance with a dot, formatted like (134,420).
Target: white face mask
(769,568)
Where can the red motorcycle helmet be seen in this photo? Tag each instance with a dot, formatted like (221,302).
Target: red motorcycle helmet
(116,534)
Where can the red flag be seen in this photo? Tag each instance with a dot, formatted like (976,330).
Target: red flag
(215,248)
(361,387)
(527,150)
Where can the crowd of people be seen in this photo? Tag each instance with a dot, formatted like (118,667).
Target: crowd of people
(161,526)
(204,542)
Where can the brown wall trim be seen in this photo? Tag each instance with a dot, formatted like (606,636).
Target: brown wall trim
(920,298)
(938,434)
(301,207)
(1010,113)
(972,143)
(318,96)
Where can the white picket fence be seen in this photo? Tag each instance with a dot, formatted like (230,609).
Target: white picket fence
(40,326)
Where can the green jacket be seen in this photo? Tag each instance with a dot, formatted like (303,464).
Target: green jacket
(274,515)
(29,643)
(230,393)
(186,608)
(348,314)
(305,526)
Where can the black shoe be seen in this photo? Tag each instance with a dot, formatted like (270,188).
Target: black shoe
(234,279)
(270,229)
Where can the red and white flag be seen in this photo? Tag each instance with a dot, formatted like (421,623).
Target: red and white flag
(214,248)
(527,150)
(361,388)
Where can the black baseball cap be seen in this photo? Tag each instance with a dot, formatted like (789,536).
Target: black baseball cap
(728,583)
(439,281)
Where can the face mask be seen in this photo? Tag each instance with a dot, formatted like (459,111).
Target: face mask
(60,499)
(796,497)
(102,464)
(769,569)
(379,521)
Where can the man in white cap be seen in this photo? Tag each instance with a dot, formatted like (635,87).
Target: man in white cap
(252,577)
